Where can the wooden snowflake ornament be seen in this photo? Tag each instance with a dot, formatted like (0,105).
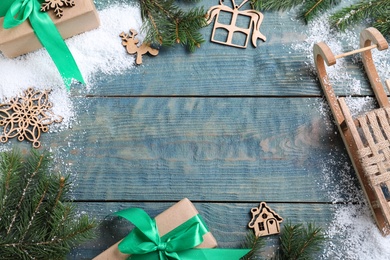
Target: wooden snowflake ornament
(57,6)
(226,23)
(265,221)
(26,117)
(131,44)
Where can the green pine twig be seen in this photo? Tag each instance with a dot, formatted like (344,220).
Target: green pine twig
(309,9)
(36,220)
(255,243)
(313,8)
(282,5)
(166,24)
(376,10)
(300,242)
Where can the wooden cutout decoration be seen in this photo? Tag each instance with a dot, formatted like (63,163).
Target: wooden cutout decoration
(27,116)
(367,137)
(57,6)
(265,221)
(255,20)
(131,44)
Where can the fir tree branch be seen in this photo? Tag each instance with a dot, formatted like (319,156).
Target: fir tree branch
(378,11)
(18,207)
(382,23)
(282,5)
(36,210)
(36,222)
(314,238)
(363,10)
(9,165)
(166,24)
(299,242)
(255,243)
(314,7)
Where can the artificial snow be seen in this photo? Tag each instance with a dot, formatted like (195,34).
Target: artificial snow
(96,52)
(353,225)
(100,52)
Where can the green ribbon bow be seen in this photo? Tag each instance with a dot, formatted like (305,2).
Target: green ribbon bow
(144,241)
(18,11)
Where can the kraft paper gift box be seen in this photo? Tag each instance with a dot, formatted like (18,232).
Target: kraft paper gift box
(75,20)
(166,221)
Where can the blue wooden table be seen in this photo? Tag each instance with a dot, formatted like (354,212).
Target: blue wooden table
(225,127)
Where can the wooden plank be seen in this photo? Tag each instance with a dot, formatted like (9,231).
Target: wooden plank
(274,68)
(229,231)
(211,149)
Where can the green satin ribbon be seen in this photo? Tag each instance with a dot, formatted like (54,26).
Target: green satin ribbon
(18,11)
(144,241)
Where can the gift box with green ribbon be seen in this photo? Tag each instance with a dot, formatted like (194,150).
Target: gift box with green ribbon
(178,233)
(25,28)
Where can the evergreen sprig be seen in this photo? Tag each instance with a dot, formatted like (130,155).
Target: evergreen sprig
(309,8)
(378,11)
(313,8)
(166,24)
(297,242)
(35,220)
(255,243)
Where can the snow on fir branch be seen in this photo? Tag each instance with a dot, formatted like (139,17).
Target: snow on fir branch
(377,12)
(296,242)
(35,220)
(167,24)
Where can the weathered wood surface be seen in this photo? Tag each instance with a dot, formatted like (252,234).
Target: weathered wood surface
(211,149)
(225,127)
(227,221)
(274,68)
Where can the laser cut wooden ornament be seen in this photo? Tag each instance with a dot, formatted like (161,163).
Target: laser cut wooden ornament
(265,221)
(131,43)
(255,20)
(57,6)
(26,117)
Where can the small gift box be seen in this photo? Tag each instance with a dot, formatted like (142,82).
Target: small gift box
(183,215)
(21,39)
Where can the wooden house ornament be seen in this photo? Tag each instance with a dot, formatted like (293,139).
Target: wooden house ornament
(233,27)
(265,221)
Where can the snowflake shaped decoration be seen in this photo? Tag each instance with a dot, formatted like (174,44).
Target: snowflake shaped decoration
(27,116)
(57,5)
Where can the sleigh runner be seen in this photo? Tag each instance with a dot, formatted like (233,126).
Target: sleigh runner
(367,137)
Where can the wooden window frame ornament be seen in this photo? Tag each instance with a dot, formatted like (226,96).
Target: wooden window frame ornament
(256,18)
(368,147)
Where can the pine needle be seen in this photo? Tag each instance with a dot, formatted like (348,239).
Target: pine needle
(314,8)
(376,10)
(282,5)
(166,24)
(299,242)
(255,243)
(36,221)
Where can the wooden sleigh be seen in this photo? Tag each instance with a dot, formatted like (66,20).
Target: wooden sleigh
(367,137)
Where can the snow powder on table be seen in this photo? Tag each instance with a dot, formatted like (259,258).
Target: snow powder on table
(98,51)
(353,226)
